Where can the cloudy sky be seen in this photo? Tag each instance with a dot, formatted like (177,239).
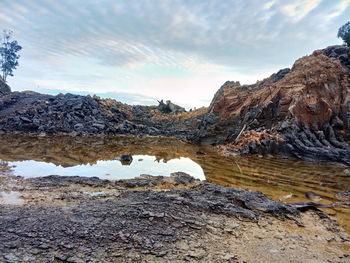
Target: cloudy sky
(184,50)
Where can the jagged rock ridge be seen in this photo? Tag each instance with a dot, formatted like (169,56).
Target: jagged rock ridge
(303,112)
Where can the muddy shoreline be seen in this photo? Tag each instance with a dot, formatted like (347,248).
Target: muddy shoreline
(158,219)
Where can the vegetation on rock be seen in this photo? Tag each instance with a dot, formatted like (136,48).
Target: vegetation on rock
(344,33)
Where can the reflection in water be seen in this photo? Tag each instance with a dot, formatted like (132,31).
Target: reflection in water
(284,180)
(113,170)
(278,178)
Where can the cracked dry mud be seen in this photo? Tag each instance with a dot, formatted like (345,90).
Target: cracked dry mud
(158,219)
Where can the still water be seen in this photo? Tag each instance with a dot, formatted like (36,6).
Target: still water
(112,170)
(279,179)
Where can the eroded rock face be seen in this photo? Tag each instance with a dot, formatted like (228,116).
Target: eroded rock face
(4,88)
(306,109)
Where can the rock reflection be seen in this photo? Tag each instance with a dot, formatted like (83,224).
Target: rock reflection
(275,177)
(71,151)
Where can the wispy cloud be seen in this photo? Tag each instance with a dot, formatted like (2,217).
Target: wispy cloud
(298,9)
(338,9)
(193,38)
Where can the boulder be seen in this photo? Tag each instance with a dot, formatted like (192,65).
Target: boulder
(169,107)
(342,53)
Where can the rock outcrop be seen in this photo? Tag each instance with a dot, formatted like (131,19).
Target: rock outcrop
(32,112)
(169,107)
(302,112)
(4,88)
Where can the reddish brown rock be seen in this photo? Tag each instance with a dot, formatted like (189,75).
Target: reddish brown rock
(307,106)
(315,90)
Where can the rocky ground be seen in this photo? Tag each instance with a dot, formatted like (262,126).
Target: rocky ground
(157,219)
(302,112)
(36,113)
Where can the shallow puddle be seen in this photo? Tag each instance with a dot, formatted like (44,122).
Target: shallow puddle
(279,179)
(113,169)
(10,198)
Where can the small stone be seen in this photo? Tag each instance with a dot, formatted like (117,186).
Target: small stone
(229,257)
(313,196)
(25,119)
(197,254)
(161,253)
(76,259)
(99,126)
(274,250)
(78,126)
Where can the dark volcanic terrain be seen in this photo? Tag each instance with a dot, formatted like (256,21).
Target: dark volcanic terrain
(32,112)
(157,219)
(302,112)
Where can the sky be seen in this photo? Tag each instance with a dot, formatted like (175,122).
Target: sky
(138,51)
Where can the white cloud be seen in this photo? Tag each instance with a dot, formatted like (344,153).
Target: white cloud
(298,9)
(338,9)
(5,18)
(172,44)
(269,4)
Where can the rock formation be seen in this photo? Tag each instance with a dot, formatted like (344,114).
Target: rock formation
(170,108)
(303,112)
(32,112)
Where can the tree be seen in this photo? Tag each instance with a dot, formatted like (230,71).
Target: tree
(8,54)
(344,33)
